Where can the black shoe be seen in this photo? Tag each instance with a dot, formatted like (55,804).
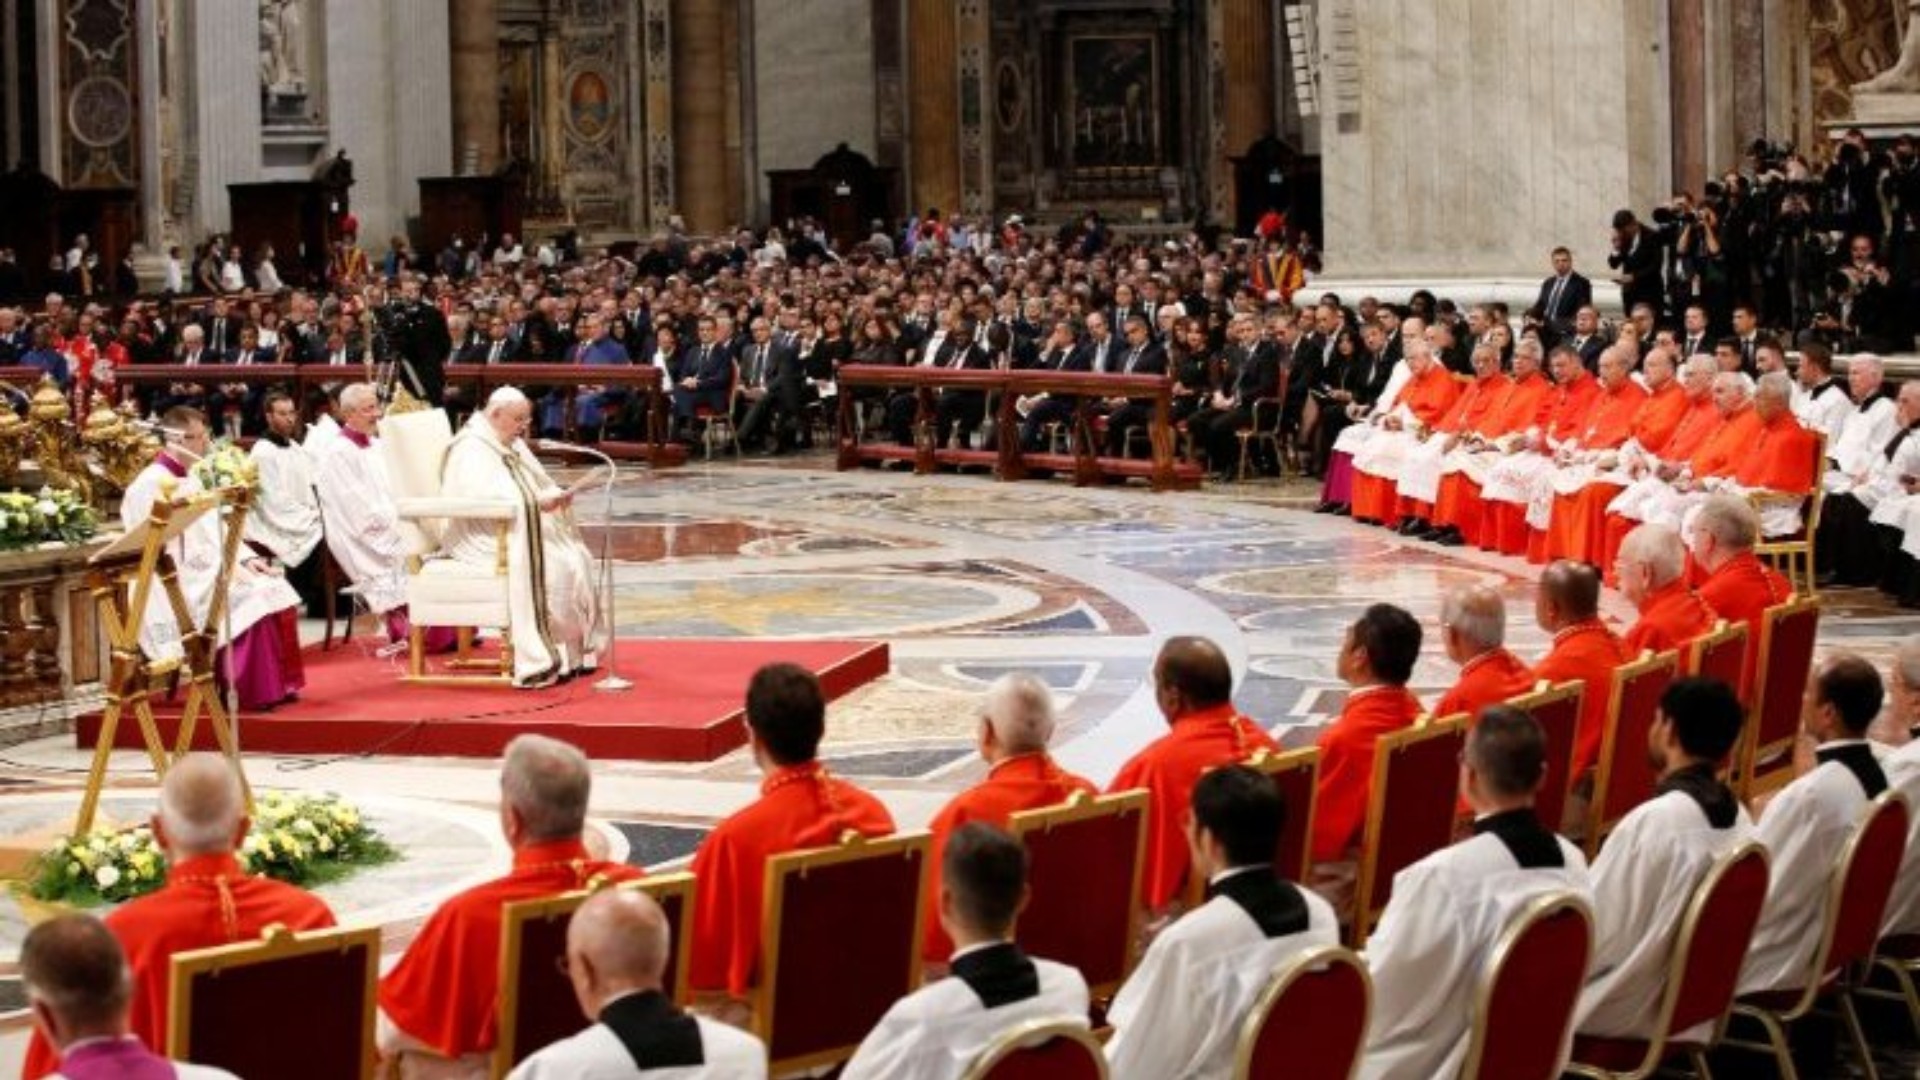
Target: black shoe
(1411,526)
(1327,507)
(1448,536)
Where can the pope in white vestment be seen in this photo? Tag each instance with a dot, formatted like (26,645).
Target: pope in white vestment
(557,629)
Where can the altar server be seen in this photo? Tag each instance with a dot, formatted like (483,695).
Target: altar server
(285,516)
(935,1032)
(1438,932)
(1180,1012)
(1657,855)
(363,528)
(260,654)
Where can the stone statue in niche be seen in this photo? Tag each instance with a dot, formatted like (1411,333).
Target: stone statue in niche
(283,48)
(1903,76)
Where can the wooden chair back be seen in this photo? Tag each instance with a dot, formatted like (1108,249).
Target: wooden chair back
(1523,1010)
(229,1005)
(537,1008)
(1041,1050)
(1557,710)
(1787,633)
(817,997)
(1310,1023)
(1085,859)
(1410,811)
(1623,778)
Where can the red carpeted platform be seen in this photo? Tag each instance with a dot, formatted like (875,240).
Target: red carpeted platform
(685,705)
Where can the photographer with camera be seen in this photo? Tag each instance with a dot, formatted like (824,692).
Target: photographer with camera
(1636,260)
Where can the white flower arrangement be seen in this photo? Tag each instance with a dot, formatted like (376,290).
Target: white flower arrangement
(29,519)
(226,466)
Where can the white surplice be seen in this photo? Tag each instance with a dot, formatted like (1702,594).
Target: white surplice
(1804,828)
(1863,438)
(1179,1013)
(938,1030)
(1434,940)
(551,588)
(285,516)
(1643,882)
(1903,907)
(196,556)
(1824,410)
(363,529)
(598,1054)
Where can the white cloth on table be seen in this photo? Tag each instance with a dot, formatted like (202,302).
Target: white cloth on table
(285,515)
(1804,829)
(363,529)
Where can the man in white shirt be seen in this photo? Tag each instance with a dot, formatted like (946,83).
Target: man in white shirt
(617,949)
(1645,877)
(285,515)
(1448,909)
(1809,821)
(1867,427)
(935,1032)
(1821,400)
(1180,1013)
(79,988)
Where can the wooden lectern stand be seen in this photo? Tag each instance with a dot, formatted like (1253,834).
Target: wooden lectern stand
(122,579)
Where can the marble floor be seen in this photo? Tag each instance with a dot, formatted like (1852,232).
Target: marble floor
(966,578)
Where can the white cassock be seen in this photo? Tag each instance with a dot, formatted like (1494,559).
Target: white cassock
(1804,828)
(1882,488)
(285,515)
(598,1054)
(363,530)
(551,591)
(1824,410)
(1355,435)
(196,554)
(938,1030)
(1863,437)
(1180,1012)
(1434,940)
(319,434)
(1903,907)
(1643,882)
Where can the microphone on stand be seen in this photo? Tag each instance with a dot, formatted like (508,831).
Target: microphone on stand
(612,680)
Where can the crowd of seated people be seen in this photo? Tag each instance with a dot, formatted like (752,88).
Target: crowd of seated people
(1220,918)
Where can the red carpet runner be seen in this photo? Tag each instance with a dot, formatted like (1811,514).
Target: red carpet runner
(685,705)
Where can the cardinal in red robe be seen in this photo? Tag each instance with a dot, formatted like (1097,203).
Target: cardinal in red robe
(1376,660)
(1738,586)
(1193,684)
(1473,627)
(1458,511)
(1584,650)
(208,899)
(1652,571)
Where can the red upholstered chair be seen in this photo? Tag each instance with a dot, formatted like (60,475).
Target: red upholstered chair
(1856,906)
(1524,1006)
(1708,950)
(1310,1023)
(1720,653)
(1793,555)
(1041,1050)
(1410,813)
(1557,710)
(1623,778)
(1779,686)
(1084,875)
(1297,774)
(1899,958)
(816,997)
(228,1005)
(537,1007)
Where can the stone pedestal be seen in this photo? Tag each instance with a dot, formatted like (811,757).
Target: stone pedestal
(1881,116)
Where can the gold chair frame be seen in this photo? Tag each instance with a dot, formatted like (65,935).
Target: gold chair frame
(515,915)
(1751,755)
(1536,911)
(1774,1023)
(1647,663)
(1689,927)
(275,943)
(1081,807)
(1797,553)
(1305,962)
(1422,730)
(1034,1033)
(852,846)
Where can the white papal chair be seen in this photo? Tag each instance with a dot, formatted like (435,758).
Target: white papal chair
(440,591)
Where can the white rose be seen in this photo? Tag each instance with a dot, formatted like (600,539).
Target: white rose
(107,876)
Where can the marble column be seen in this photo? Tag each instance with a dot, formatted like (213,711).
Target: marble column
(225,36)
(476,84)
(813,82)
(699,105)
(933,106)
(1687,74)
(657,33)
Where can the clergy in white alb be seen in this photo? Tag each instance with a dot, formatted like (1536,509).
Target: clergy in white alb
(1644,879)
(1902,767)
(1808,823)
(618,944)
(258,633)
(1181,1011)
(285,517)
(1868,425)
(1821,400)
(938,1030)
(1448,910)
(362,527)
(557,628)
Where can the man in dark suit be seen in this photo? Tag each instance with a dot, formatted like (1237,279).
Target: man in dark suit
(706,375)
(1062,353)
(1141,356)
(771,386)
(1561,296)
(1585,338)
(1636,260)
(1231,408)
(221,331)
(964,409)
